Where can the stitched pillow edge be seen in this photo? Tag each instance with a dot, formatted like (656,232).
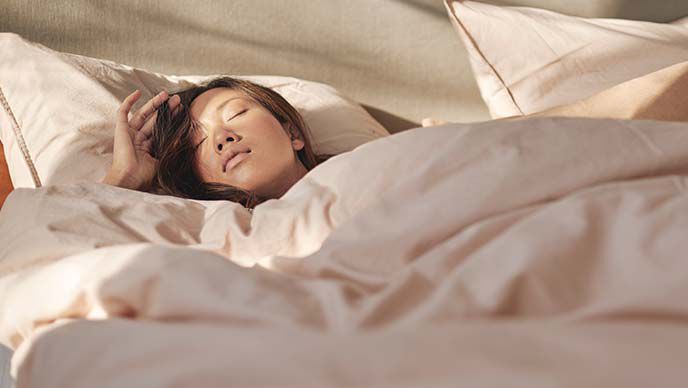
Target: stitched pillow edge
(19,138)
(474,54)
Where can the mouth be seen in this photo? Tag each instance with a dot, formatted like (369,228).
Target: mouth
(234,160)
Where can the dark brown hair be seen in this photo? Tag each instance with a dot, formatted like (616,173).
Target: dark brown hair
(172,143)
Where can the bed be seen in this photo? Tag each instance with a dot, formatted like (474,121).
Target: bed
(536,239)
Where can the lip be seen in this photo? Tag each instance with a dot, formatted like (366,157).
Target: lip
(235,159)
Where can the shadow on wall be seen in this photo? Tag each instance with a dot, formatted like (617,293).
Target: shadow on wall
(660,11)
(432,8)
(392,123)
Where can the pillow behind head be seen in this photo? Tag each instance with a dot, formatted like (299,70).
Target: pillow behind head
(59,110)
(527,60)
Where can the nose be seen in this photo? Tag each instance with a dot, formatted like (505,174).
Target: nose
(223,137)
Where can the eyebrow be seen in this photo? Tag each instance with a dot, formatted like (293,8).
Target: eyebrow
(219,107)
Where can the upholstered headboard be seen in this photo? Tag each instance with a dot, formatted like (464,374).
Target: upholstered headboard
(400,58)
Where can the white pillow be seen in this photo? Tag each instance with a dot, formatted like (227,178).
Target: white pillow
(527,60)
(58,111)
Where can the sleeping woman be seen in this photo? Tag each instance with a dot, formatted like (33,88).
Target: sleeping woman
(227,139)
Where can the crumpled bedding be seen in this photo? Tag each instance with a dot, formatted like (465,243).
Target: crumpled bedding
(528,252)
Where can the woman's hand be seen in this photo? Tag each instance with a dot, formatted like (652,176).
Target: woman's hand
(430,122)
(133,166)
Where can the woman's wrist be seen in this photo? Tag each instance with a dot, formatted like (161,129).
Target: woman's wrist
(114,178)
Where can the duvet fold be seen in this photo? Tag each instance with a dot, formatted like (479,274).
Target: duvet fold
(531,251)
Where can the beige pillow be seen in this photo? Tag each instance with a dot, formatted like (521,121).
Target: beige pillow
(662,95)
(527,60)
(58,111)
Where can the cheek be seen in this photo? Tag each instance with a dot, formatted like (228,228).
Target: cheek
(273,136)
(271,156)
(203,164)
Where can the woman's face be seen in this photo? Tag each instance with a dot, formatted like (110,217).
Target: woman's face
(231,122)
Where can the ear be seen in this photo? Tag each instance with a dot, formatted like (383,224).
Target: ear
(297,142)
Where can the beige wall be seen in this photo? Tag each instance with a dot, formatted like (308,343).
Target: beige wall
(399,56)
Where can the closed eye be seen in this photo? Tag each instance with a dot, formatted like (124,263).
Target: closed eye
(231,118)
(240,113)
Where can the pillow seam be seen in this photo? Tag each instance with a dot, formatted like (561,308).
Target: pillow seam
(20,140)
(450,7)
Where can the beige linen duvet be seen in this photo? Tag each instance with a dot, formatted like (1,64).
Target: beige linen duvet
(532,253)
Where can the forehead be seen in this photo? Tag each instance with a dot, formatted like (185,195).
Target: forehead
(205,105)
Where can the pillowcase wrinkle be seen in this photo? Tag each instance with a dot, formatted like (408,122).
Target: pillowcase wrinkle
(63,107)
(527,60)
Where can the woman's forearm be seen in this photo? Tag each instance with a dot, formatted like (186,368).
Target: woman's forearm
(113,178)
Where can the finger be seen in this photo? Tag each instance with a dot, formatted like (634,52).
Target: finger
(147,109)
(125,107)
(177,109)
(139,118)
(147,129)
(146,145)
(431,122)
(174,102)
